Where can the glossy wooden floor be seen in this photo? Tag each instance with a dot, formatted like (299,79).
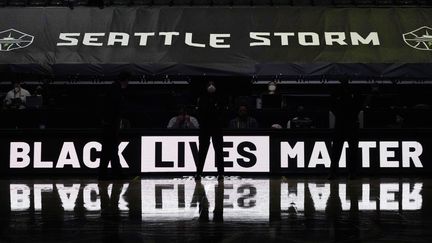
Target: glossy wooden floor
(236,210)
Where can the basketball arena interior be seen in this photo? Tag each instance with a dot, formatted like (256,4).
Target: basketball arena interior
(215,120)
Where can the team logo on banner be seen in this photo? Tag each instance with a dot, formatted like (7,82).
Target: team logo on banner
(12,39)
(420,39)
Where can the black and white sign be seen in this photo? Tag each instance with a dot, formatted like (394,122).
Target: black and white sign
(165,152)
(180,154)
(410,153)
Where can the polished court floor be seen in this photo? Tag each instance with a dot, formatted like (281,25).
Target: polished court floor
(238,209)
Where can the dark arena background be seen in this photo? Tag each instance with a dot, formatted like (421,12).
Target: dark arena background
(317,116)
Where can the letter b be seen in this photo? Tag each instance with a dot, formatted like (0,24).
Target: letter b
(19,155)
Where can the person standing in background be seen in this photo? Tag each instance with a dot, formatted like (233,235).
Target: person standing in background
(112,113)
(211,109)
(346,105)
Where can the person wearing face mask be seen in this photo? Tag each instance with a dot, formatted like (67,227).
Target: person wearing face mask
(16,98)
(243,120)
(271,88)
(211,110)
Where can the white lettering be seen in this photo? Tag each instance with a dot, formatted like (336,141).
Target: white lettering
(320,194)
(90,39)
(121,148)
(357,39)
(319,156)
(313,39)
(216,40)
(38,189)
(345,203)
(411,155)
(284,37)
(19,155)
(69,39)
(118,37)
(259,36)
(387,196)
(19,197)
(365,148)
(91,203)
(37,157)
(143,37)
(385,154)
(68,156)
(286,152)
(68,195)
(365,203)
(342,159)
(335,37)
(87,154)
(168,37)
(189,41)
(412,200)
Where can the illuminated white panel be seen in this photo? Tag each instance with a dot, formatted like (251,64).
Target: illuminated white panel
(320,194)
(38,189)
(365,203)
(19,197)
(412,199)
(346,204)
(68,195)
(320,155)
(168,150)
(388,196)
(92,203)
(174,199)
(123,205)
(292,195)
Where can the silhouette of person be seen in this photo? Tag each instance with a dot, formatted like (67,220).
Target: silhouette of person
(200,197)
(275,202)
(210,113)
(309,211)
(333,213)
(344,228)
(112,112)
(345,106)
(354,191)
(5,210)
(110,212)
(219,202)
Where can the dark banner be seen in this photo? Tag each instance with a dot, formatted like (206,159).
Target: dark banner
(389,42)
(168,152)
